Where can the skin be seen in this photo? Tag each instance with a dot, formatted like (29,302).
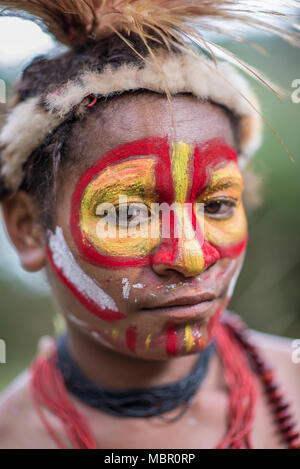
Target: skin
(90,338)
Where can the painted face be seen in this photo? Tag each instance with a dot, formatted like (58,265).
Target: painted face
(154,171)
(164,203)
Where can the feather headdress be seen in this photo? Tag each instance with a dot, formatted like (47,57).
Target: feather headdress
(180,24)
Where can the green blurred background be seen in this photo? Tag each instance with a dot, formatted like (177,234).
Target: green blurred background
(267,295)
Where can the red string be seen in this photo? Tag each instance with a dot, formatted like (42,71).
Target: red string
(49,390)
(242,388)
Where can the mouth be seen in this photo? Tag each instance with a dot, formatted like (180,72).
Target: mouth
(185,308)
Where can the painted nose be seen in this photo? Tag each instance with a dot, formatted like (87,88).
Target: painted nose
(186,259)
(185,251)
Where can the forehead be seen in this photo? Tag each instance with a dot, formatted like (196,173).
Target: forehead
(133,117)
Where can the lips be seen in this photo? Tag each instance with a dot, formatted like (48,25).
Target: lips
(187,300)
(184,307)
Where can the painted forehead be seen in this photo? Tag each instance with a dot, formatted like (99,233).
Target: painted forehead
(206,156)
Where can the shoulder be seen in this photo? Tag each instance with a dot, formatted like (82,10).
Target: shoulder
(20,427)
(20,424)
(283,355)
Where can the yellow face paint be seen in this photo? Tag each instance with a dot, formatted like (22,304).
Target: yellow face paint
(189,339)
(148,341)
(226,183)
(189,253)
(133,179)
(156,171)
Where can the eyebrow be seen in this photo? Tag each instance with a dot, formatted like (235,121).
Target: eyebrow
(225,183)
(113,190)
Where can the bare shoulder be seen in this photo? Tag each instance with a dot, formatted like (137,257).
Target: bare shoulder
(283,355)
(20,426)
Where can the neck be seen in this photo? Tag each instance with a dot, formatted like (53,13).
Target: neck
(109,369)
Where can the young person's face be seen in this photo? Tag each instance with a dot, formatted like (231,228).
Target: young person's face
(154,287)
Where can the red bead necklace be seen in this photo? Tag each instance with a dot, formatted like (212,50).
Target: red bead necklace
(280,406)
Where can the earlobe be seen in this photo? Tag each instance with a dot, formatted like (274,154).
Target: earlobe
(33,260)
(20,214)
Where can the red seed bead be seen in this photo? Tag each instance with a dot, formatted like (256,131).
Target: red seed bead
(283,415)
(294,445)
(267,376)
(291,435)
(275,396)
(287,425)
(254,357)
(260,365)
(271,388)
(251,347)
(282,405)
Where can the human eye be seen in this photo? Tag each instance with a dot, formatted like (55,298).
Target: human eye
(135,213)
(220,208)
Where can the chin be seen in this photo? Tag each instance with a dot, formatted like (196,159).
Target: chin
(170,341)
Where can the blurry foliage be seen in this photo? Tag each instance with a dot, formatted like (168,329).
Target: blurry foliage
(268,292)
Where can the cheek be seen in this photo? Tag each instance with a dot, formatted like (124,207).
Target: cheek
(228,236)
(235,276)
(87,291)
(131,181)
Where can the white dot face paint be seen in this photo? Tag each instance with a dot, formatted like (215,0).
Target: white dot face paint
(138,286)
(126,288)
(77,280)
(172,286)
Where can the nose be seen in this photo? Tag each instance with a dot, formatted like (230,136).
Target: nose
(184,252)
(186,258)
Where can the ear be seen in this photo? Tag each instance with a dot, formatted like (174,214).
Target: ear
(20,215)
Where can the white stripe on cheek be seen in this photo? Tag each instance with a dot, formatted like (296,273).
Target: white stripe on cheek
(65,261)
(233,281)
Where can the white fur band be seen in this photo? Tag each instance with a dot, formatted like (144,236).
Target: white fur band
(30,122)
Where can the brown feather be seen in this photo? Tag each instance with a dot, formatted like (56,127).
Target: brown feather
(78,21)
(172,22)
(94,18)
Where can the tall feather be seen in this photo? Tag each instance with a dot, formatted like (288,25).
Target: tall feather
(178,23)
(77,21)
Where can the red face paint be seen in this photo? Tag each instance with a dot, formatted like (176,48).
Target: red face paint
(131,334)
(182,174)
(151,146)
(171,341)
(204,160)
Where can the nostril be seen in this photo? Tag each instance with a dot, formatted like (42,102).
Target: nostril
(210,265)
(163,270)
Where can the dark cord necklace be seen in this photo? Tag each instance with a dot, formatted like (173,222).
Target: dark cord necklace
(148,402)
